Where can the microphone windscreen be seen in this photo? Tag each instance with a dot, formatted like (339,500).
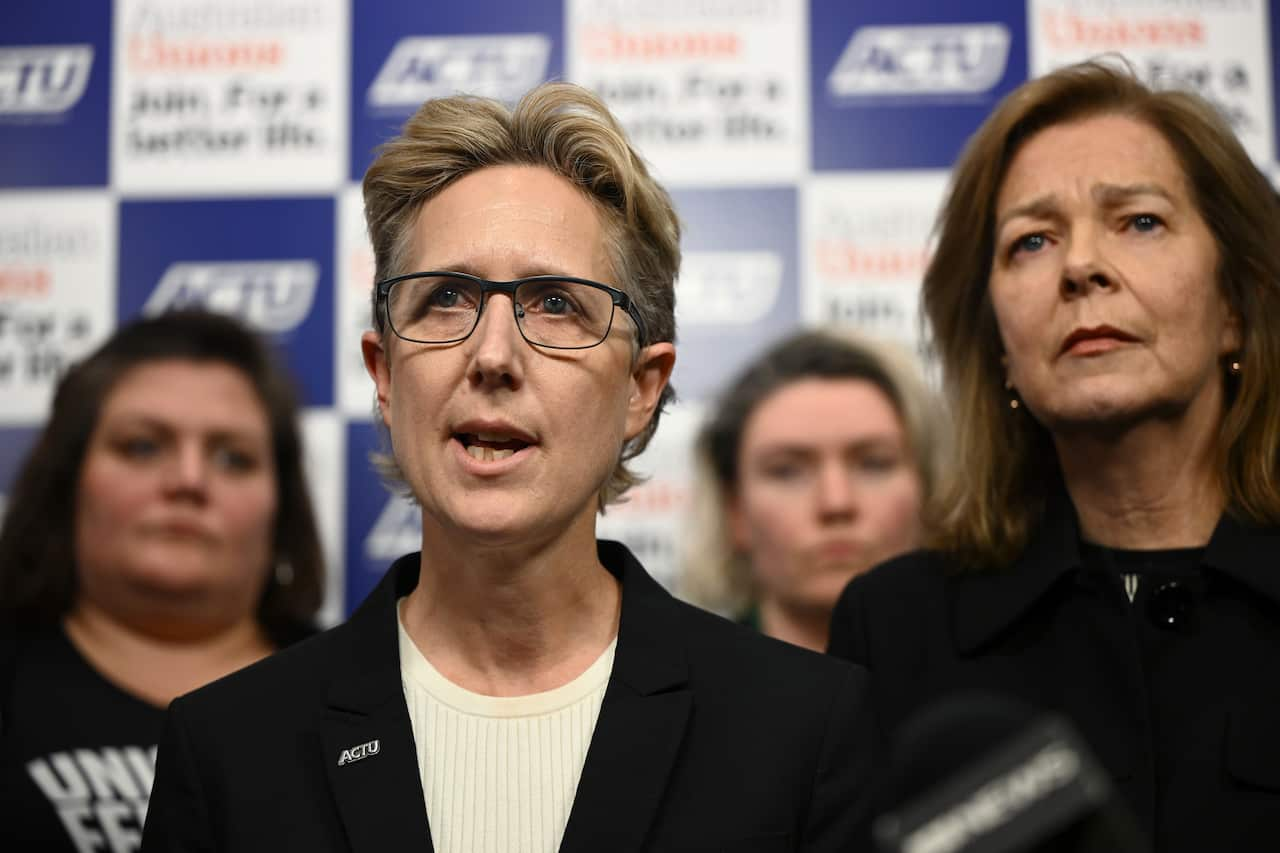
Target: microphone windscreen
(982,773)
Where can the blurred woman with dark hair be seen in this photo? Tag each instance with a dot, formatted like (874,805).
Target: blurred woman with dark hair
(1105,299)
(159,536)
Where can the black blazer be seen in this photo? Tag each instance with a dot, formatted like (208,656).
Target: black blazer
(1187,721)
(709,738)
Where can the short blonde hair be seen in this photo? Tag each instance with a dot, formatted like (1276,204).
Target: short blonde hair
(985,511)
(715,575)
(569,131)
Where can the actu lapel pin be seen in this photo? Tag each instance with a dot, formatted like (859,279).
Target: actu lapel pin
(356,753)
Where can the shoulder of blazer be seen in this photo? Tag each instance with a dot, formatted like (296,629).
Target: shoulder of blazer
(723,650)
(304,671)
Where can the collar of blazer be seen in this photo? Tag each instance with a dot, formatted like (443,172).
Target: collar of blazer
(984,603)
(633,747)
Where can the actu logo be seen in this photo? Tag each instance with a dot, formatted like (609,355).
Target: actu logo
(273,296)
(398,531)
(43,80)
(728,288)
(941,59)
(420,67)
(356,753)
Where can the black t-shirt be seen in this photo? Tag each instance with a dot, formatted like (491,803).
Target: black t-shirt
(77,753)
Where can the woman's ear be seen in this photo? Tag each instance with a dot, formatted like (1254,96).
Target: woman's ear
(377,364)
(652,371)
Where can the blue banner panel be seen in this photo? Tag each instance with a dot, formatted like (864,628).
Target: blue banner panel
(381,527)
(904,84)
(15,444)
(268,261)
(738,287)
(1274,14)
(404,53)
(55,83)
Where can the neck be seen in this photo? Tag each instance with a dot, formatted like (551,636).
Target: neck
(157,669)
(807,627)
(510,621)
(1153,486)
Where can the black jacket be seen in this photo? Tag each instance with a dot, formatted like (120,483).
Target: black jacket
(1186,720)
(709,738)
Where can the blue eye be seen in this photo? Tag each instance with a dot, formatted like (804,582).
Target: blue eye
(138,448)
(1028,243)
(878,464)
(555,304)
(234,460)
(1145,222)
(445,297)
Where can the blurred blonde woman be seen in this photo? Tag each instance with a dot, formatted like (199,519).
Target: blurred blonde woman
(812,467)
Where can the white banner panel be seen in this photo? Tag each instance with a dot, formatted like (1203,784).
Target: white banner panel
(865,245)
(324,438)
(216,98)
(1217,48)
(57,291)
(710,93)
(651,520)
(355,280)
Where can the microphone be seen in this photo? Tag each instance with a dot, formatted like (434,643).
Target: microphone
(981,773)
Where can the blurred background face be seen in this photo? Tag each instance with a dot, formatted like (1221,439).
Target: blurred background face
(827,488)
(1104,280)
(177,493)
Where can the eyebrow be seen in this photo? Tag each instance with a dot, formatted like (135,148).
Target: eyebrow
(794,448)
(526,271)
(1106,195)
(130,421)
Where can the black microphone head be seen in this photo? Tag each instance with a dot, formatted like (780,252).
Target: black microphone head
(983,773)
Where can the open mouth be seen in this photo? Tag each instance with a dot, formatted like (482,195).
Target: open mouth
(488,447)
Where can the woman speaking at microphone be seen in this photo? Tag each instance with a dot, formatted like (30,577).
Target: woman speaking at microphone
(1105,297)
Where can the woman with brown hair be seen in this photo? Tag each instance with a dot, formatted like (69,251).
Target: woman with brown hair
(1105,299)
(159,536)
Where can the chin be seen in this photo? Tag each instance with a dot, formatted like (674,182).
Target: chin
(496,526)
(1106,412)
(170,584)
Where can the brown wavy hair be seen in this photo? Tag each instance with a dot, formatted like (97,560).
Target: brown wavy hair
(556,126)
(985,511)
(38,573)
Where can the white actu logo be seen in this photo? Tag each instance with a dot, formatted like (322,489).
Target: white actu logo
(273,296)
(43,80)
(356,753)
(421,67)
(942,59)
(728,288)
(397,531)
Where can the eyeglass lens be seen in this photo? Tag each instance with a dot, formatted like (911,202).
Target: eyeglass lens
(555,313)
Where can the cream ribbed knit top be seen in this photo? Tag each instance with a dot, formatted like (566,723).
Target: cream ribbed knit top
(499,773)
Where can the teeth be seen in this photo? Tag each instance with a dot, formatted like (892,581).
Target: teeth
(487,454)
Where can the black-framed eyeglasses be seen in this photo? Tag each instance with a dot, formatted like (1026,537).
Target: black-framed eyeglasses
(555,311)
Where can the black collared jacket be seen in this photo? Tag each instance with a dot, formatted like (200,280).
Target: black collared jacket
(1187,720)
(709,738)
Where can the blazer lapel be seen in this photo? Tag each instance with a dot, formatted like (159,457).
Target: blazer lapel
(369,751)
(641,724)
